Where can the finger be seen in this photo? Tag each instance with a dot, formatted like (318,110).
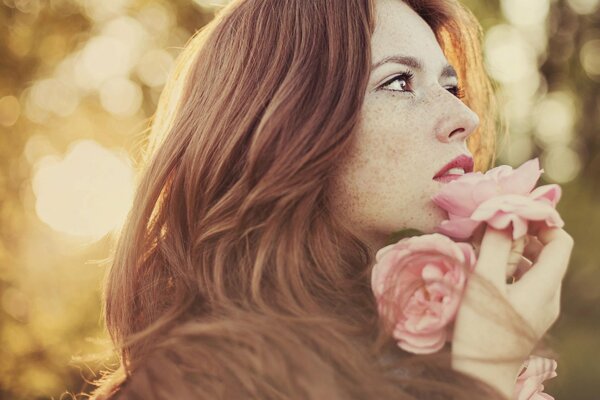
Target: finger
(511,268)
(516,271)
(535,226)
(478,235)
(493,256)
(548,271)
(516,252)
(532,248)
(524,266)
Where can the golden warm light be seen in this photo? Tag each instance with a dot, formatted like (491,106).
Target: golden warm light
(509,57)
(561,164)
(211,3)
(584,6)
(88,193)
(555,118)
(121,96)
(590,58)
(530,12)
(80,82)
(10,109)
(154,67)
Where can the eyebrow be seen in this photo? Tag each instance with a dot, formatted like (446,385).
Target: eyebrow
(447,72)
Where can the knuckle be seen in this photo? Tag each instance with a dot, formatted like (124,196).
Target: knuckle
(567,238)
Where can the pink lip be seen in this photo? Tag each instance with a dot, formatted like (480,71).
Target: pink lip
(463,161)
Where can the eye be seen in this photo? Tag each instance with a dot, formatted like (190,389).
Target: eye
(456,91)
(400,83)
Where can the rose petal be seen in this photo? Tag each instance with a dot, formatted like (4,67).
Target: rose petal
(502,197)
(529,382)
(418,284)
(484,190)
(550,193)
(420,344)
(523,179)
(502,211)
(458,228)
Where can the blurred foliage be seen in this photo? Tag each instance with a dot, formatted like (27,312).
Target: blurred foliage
(79,80)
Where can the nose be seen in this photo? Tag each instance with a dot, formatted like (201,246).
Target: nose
(457,123)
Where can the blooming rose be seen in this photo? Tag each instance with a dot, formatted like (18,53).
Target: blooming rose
(418,284)
(502,197)
(529,382)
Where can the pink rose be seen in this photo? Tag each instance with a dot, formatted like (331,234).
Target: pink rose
(529,382)
(418,284)
(502,197)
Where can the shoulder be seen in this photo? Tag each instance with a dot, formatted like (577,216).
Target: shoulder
(245,357)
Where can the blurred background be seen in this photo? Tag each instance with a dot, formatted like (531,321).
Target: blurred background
(79,80)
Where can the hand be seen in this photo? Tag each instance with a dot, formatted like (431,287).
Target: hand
(485,328)
(522,257)
(523,252)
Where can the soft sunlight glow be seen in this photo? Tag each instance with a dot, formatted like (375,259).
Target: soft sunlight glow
(517,110)
(88,193)
(555,118)
(590,58)
(15,303)
(584,6)
(18,39)
(38,146)
(114,53)
(101,59)
(121,97)
(508,56)
(518,99)
(529,12)
(130,32)
(211,3)
(518,150)
(154,67)
(55,96)
(528,87)
(561,164)
(157,19)
(102,10)
(10,109)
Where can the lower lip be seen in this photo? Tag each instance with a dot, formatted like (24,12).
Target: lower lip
(447,178)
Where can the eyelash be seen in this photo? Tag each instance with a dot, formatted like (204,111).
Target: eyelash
(407,76)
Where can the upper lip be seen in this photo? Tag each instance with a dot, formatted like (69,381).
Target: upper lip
(463,161)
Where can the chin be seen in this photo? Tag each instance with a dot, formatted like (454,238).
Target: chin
(425,219)
(431,217)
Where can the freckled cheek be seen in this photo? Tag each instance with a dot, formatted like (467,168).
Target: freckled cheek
(377,159)
(392,129)
(378,184)
(393,148)
(388,150)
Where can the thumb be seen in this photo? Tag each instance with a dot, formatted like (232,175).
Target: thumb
(493,257)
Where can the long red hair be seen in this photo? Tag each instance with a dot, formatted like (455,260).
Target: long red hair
(232,277)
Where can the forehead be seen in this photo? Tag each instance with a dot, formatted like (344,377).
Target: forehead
(400,30)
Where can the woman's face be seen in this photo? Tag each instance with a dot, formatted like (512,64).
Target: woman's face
(412,125)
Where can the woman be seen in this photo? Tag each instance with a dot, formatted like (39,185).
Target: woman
(293,139)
